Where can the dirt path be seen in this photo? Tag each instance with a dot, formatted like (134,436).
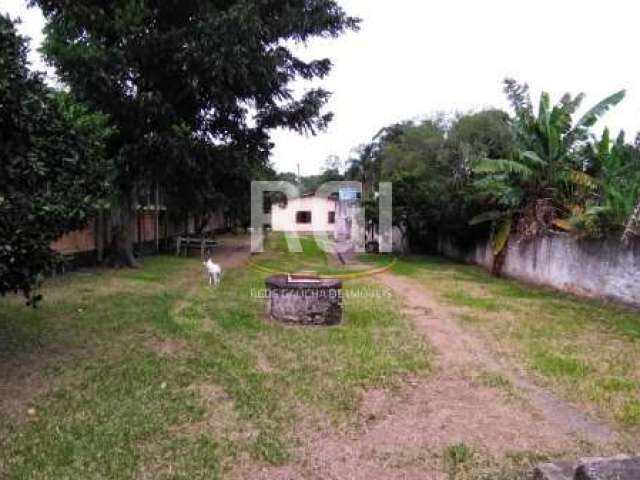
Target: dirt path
(233,253)
(457,347)
(404,438)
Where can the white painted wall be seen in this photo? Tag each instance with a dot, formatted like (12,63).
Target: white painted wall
(284,219)
(594,268)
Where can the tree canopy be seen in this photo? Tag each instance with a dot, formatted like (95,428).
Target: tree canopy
(429,164)
(545,180)
(524,173)
(172,74)
(53,166)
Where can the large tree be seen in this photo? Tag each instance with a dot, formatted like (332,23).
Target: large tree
(214,177)
(174,72)
(53,166)
(430,166)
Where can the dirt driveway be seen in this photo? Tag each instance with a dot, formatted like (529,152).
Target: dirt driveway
(471,399)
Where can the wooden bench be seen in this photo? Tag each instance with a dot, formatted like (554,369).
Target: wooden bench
(206,246)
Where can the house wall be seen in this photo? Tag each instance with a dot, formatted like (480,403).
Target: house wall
(146,227)
(78,241)
(594,268)
(143,228)
(284,219)
(172,228)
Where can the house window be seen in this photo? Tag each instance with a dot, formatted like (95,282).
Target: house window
(332,218)
(266,202)
(303,217)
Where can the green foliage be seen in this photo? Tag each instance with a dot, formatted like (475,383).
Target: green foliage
(311,183)
(502,236)
(188,83)
(541,169)
(613,176)
(456,455)
(53,166)
(416,151)
(211,177)
(364,166)
(617,167)
(429,165)
(590,118)
(499,166)
(546,178)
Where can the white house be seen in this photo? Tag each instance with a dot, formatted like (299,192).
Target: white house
(311,213)
(306,214)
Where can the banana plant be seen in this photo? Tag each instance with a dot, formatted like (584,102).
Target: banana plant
(546,169)
(616,165)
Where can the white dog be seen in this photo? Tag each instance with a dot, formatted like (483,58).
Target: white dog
(214,272)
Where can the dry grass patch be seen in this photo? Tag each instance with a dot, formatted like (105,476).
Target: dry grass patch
(169,347)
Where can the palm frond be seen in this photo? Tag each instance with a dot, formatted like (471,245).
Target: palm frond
(489,166)
(544,110)
(597,210)
(603,147)
(485,217)
(518,95)
(502,236)
(581,179)
(564,224)
(569,105)
(561,118)
(533,157)
(593,114)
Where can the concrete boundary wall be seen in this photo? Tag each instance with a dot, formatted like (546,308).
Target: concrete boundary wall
(594,268)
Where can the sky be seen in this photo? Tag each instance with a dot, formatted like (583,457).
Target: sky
(415,58)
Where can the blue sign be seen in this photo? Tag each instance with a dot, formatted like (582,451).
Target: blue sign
(347,194)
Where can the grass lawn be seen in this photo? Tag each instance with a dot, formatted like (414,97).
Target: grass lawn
(278,258)
(588,350)
(152,374)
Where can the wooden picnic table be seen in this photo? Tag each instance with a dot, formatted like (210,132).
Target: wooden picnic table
(206,245)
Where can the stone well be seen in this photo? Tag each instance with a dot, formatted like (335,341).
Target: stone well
(301,301)
(620,467)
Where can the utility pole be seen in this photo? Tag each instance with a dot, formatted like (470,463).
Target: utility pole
(298,173)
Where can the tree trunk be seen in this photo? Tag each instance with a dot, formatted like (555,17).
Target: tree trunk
(100,233)
(499,259)
(633,226)
(404,239)
(157,218)
(201,222)
(122,219)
